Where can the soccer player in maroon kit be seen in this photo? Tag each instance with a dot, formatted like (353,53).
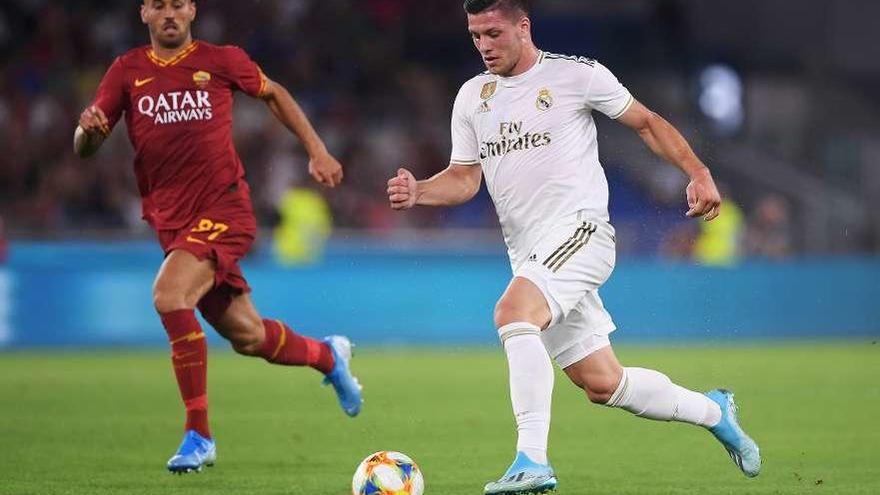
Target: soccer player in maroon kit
(176,95)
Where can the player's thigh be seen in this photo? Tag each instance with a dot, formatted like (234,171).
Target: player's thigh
(581,332)
(574,259)
(240,323)
(181,281)
(522,301)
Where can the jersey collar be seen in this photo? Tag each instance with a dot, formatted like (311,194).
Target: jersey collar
(173,60)
(525,76)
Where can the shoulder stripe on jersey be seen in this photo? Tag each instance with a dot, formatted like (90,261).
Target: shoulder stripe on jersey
(581,60)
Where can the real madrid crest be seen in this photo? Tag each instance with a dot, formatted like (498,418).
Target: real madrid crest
(545,100)
(488,90)
(201,78)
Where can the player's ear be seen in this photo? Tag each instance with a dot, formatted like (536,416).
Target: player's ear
(144,12)
(524,28)
(192,10)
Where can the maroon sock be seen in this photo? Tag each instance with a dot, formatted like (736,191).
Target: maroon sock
(283,346)
(189,355)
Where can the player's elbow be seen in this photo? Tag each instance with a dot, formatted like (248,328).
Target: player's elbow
(469,180)
(649,123)
(471,189)
(272,91)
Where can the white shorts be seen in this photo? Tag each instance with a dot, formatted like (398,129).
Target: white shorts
(568,265)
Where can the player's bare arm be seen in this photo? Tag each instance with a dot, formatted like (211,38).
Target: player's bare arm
(666,142)
(455,185)
(323,167)
(93,128)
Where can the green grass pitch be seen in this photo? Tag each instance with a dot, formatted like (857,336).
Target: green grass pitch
(106,422)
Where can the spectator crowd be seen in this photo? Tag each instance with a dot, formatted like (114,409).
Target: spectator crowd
(377,77)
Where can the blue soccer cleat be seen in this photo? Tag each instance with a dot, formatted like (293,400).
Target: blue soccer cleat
(524,476)
(194,452)
(742,449)
(347,387)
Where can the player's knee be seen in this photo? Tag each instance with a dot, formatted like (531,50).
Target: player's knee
(600,387)
(247,344)
(506,311)
(165,300)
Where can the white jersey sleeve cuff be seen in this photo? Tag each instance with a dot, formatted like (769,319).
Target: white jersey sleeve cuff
(458,161)
(629,102)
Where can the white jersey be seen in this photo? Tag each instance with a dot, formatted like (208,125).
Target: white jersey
(535,137)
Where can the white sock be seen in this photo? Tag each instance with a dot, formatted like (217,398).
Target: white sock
(651,394)
(531,387)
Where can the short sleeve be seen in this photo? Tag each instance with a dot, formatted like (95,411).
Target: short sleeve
(110,97)
(465,150)
(245,74)
(606,94)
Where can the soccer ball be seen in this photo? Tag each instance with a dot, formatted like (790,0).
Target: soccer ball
(387,473)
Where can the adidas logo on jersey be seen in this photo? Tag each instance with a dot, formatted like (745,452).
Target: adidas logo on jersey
(176,106)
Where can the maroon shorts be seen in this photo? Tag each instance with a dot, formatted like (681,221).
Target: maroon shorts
(222,233)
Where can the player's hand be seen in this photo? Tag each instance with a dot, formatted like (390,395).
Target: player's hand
(703,197)
(94,122)
(402,190)
(325,170)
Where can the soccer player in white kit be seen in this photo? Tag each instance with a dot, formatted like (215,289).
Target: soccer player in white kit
(526,125)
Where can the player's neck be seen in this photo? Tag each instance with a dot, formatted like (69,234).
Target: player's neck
(528,60)
(169,53)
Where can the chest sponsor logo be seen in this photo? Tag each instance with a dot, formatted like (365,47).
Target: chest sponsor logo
(176,106)
(512,138)
(140,82)
(202,78)
(545,100)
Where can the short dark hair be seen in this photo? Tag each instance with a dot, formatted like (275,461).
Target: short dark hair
(477,6)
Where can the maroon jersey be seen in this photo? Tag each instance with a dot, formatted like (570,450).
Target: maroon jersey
(179,118)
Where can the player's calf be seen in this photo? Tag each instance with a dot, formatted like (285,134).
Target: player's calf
(652,395)
(189,356)
(281,345)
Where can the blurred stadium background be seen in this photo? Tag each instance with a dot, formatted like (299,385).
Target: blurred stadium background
(785,113)
(778,97)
